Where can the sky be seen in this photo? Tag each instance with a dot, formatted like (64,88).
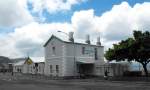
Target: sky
(25,25)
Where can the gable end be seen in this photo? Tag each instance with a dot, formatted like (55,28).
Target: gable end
(51,39)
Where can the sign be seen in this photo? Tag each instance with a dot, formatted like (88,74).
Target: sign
(89,51)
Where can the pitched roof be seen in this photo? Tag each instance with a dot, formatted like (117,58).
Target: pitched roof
(19,63)
(53,36)
(37,59)
(66,40)
(34,59)
(15,60)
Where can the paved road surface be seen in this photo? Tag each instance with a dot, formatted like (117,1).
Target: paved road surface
(8,83)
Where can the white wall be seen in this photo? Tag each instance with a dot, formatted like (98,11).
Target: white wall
(17,67)
(31,69)
(54,59)
(70,53)
(41,67)
(25,69)
(64,57)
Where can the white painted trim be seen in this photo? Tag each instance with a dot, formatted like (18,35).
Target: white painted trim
(69,57)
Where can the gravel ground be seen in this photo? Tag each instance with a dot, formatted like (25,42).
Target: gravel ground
(19,82)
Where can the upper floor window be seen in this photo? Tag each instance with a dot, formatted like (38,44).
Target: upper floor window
(57,69)
(54,50)
(95,52)
(83,50)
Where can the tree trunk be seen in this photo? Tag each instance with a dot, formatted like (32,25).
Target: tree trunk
(145,69)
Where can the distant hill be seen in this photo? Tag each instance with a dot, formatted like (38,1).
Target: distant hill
(18,59)
(5,60)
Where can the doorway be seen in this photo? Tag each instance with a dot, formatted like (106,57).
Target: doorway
(86,70)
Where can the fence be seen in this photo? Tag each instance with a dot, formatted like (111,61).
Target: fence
(19,76)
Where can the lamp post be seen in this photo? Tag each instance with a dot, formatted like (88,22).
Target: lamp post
(73,52)
(63,32)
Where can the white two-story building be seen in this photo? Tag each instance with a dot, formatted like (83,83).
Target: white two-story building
(73,57)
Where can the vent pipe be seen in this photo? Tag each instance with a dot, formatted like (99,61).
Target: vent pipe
(87,39)
(98,41)
(71,36)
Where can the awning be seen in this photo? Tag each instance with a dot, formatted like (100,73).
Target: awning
(85,61)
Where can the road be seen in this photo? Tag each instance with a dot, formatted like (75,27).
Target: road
(7,83)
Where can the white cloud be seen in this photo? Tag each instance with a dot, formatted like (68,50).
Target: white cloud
(113,26)
(120,22)
(14,13)
(29,39)
(53,6)
(7,46)
(84,22)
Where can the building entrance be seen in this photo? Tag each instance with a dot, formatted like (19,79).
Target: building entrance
(85,69)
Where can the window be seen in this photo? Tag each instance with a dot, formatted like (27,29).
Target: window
(53,50)
(95,50)
(57,69)
(17,69)
(51,69)
(83,50)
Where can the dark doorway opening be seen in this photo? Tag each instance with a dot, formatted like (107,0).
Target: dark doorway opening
(85,70)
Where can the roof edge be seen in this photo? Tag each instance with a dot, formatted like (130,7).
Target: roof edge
(53,36)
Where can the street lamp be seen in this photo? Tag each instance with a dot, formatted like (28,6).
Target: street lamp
(73,51)
(64,33)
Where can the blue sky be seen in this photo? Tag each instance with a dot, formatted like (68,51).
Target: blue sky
(25,25)
(99,6)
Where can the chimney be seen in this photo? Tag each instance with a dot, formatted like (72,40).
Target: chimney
(88,39)
(98,41)
(71,36)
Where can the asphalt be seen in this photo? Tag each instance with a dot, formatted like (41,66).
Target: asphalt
(21,82)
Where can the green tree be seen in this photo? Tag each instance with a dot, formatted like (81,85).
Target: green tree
(136,48)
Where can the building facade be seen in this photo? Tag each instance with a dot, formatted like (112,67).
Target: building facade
(31,65)
(34,65)
(18,67)
(72,58)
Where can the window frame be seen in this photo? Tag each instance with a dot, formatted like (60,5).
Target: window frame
(57,68)
(54,50)
(95,54)
(83,50)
